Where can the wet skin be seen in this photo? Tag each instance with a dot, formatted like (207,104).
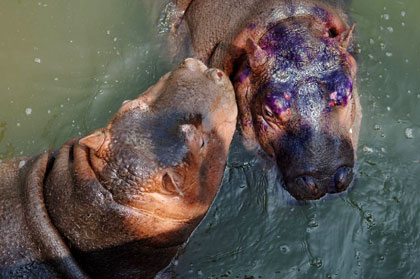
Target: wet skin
(120,202)
(295,83)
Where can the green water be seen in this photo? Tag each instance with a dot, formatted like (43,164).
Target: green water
(66,66)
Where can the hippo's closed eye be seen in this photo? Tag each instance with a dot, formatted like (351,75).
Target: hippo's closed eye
(172,183)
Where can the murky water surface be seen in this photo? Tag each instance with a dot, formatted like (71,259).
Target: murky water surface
(66,66)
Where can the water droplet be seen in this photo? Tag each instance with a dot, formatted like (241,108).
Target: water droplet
(409,133)
(37,60)
(21,164)
(367,149)
(28,111)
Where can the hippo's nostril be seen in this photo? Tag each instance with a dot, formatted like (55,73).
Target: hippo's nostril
(307,182)
(342,178)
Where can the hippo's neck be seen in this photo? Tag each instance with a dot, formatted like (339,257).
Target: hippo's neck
(94,226)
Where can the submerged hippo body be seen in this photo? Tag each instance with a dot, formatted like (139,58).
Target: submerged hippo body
(294,80)
(121,201)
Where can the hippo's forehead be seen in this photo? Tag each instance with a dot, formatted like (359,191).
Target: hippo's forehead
(148,142)
(307,72)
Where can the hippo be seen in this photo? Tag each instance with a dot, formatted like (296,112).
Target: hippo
(121,201)
(294,80)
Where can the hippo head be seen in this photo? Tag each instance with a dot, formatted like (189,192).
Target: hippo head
(298,80)
(162,156)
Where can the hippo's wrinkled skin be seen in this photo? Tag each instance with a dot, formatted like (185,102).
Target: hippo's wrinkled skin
(121,201)
(294,79)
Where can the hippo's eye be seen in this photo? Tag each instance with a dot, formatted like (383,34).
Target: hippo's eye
(267,111)
(172,183)
(202,143)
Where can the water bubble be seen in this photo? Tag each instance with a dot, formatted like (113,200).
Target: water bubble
(108,32)
(37,60)
(402,23)
(28,111)
(115,39)
(389,54)
(49,111)
(388,108)
(409,133)
(386,16)
(390,29)
(371,41)
(18,124)
(403,13)
(284,249)
(56,78)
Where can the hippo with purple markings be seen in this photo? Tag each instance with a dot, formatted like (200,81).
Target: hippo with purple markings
(120,202)
(294,79)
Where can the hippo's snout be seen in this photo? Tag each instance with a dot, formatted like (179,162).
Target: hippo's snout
(307,187)
(315,163)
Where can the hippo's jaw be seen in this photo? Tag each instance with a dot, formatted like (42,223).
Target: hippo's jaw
(298,86)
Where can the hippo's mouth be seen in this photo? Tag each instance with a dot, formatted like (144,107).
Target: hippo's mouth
(309,187)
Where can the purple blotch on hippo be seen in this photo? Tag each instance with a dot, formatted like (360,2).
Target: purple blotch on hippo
(294,79)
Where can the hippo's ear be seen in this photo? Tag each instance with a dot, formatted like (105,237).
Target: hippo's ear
(345,37)
(94,141)
(256,55)
(192,135)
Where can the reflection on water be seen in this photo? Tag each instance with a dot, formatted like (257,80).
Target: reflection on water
(66,67)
